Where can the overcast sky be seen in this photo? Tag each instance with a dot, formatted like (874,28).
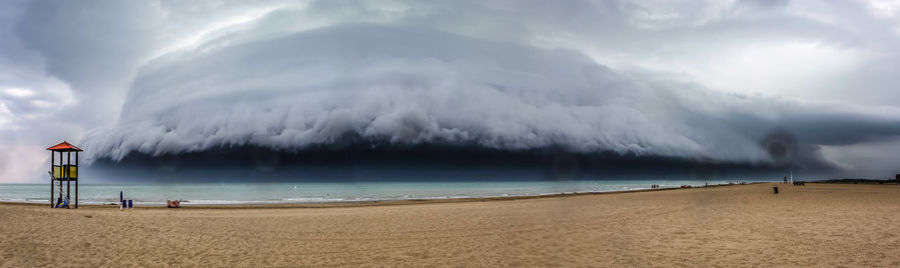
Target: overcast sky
(706,80)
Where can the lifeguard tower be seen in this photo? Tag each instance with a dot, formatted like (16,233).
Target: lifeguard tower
(62,172)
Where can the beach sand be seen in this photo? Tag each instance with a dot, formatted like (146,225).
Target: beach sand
(743,225)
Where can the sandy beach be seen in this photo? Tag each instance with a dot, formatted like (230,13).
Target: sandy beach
(742,225)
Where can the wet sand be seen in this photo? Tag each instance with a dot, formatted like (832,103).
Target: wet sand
(743,225)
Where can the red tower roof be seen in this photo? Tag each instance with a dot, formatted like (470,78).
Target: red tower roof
(64,147)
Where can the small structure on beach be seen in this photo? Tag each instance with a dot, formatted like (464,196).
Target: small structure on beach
(63,171)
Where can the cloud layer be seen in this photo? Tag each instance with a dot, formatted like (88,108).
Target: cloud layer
(402,85)
(711,81)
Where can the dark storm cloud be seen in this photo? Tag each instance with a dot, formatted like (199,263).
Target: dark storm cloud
(672,79)
(404,86)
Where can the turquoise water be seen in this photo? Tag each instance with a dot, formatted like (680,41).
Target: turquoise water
(276,193)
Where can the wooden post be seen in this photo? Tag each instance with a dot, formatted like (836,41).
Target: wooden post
(60,174)
(68,180)
(52,159)
(76,179)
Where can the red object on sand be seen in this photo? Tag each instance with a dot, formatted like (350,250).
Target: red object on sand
(173,203)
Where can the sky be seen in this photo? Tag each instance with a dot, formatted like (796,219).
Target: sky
(768,82)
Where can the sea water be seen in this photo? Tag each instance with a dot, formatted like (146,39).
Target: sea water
(309,192)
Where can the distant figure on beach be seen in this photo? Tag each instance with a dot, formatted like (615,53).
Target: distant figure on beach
(785,180)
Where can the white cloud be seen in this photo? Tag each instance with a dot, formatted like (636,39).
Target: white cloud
(19,92)
(6,117)
(884,8)
(786,69)
(42,104)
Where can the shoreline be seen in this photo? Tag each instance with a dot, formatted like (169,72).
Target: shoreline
(400,202)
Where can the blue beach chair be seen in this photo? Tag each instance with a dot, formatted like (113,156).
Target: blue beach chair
(63,204)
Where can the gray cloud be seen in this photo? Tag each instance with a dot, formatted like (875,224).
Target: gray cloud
(408,85)
(693,79)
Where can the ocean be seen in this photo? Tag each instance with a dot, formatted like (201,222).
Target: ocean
(309,192)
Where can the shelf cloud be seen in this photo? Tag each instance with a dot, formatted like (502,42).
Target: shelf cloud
(762,84)
(390,85)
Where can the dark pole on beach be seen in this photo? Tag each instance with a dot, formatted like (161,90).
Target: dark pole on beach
(68,179)
(76,179)
(52,159)
(61,174)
